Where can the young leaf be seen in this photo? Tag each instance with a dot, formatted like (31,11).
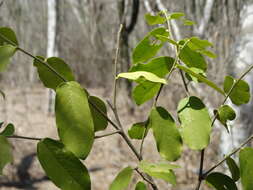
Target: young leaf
(8,131)
(6,52)
(220,181)
(188,22)
(197,44)
(122,180)
(159,170)
(225,113)
(100,123)
(153,20)
(246,168)
(240,93)
(74,119)
(5,153)
(233,168)
(145,91)
(176,15)
(201,78)
(62,166)
(137,130)
(9,34)
(166,134)
(138,75)
(149,46)
(140,186)
(195,122)
(50,79)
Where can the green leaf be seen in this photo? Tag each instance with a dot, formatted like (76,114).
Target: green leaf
(100,122)
(145,91)
(233,168)
(50,79)
(138,75)
(166,134)
(246,168)
(188,22)
(195,122)
(197,71)
(9,34)
(191,57)
(5,153)
(62,166)
(140,186)
(225,113)
(176,15)
(166,39)
(159,170)
(137,130)
(8,131)
(149,46)
(153,20)
(122,180)
(220,181)
(195,43)
(201,78)
(74,119)
(240,93)
(6,52)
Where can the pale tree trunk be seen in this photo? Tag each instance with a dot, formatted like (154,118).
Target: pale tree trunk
(51,42)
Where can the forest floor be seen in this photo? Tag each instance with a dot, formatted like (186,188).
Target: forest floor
(27,108)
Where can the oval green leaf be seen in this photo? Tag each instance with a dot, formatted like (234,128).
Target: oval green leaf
(8,131)
(122,180)
(5,153)
(240,93)
(138,75)
(166,134)
(100,122)
(62,166)
(74,119)
(6,52)
(195,122)
(233,168)
(225,114)
(137,130)
(50,79)
(246,168)
(220,181)
(159,170)
(149,46)
(140,186)
(153,20)
(9,34)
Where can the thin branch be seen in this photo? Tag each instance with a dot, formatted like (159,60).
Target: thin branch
(143,139)
(201,168)
(229,155)
(184,83)
(23,137)
(108,134)
(153,185)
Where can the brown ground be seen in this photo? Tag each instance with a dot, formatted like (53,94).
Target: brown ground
(27,109)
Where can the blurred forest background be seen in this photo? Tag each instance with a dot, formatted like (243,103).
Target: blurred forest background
(83,33)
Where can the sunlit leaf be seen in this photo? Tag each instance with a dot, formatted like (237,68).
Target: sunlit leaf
(73,118)
(138,75)
(195,122)
(149,46)
(201,78)
(166,134)
(122,180)
(159,170)
(225,114)
(220,181)
(100,122)
(9,34)
(153,20)
(188,22)
(233,168)
(176,15)
(50,79)
(6,52)
(240,93)
(137,130)
(5,153)
(8,131)
(140,186)
(62,166)
(246,168)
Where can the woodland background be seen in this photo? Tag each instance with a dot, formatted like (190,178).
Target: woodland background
(83,33)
